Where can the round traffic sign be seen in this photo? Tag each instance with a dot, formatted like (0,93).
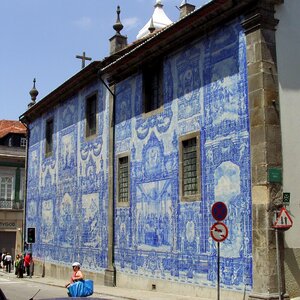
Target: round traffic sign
(219,211)
(219,232)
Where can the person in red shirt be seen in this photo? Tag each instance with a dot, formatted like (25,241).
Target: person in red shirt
(27,262)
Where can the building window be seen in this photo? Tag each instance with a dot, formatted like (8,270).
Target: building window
(23,142)
(190,167)
(91,115)
(6,187)
(6,191)
(49,137)
(123,180)
(153,87)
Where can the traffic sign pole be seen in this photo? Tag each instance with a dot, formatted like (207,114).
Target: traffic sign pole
(283,221)
(278,265)
(219,233)
(218,276)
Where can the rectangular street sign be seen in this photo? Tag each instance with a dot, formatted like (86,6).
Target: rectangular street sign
(286,198)
(275,175)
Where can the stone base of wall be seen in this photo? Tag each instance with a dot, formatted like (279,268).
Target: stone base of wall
(109,277)
(292,271)
(292,261)
(267,297)
(135,282)
(62,272)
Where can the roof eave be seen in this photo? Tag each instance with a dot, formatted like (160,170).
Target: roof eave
(197,23)
(64,91)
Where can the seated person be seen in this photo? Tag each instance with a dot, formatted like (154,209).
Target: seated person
(77,274)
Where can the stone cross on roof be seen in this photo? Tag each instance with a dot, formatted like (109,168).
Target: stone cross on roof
(83,59)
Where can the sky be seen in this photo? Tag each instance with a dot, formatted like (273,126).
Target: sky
(41,38)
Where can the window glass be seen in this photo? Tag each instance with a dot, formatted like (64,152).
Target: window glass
(190,170)
(153,86)
(190,184)
(91,113)
(6,188)
(49,137)
(23,142)
(123,179)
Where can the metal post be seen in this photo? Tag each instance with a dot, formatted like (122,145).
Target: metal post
(278,265)
(31,265)
(218,276)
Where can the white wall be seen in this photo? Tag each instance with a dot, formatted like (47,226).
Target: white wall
(288,55)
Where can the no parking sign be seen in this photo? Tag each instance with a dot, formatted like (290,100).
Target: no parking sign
(219,232)
(219,211)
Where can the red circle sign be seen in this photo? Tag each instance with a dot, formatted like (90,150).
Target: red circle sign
(219,232)
(219,211)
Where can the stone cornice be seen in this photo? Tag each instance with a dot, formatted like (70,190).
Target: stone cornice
(261,16)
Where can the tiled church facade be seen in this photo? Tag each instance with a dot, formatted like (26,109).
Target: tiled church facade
(158,235)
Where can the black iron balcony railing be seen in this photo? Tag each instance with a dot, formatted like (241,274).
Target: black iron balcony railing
(11,204)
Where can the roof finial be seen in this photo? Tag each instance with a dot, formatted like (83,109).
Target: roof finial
(118,25)
(158,3)
(151,26)
(33,93)
(118,41)
(159,19)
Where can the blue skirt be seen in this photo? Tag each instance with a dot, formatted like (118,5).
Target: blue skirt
(82,288)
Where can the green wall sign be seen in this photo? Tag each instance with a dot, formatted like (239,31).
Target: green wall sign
(275,175)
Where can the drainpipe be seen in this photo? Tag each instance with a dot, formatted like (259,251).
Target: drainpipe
(110,272)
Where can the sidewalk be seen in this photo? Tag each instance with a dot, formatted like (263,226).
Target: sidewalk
(100,290)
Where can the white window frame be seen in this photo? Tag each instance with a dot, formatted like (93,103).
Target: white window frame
(23,142)
(10,172)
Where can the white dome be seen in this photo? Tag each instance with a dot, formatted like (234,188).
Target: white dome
(159,18)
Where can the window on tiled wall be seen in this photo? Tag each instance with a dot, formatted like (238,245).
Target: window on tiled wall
(91,115)
(153,86)
(190,167)
(123,180)
(49,137)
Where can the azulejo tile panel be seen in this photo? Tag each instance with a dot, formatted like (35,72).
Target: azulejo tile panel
(67,191)
(158,235)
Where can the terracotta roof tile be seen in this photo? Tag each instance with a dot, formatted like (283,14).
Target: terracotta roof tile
(7,126)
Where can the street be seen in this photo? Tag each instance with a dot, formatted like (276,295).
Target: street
(23,289)
(18,289)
